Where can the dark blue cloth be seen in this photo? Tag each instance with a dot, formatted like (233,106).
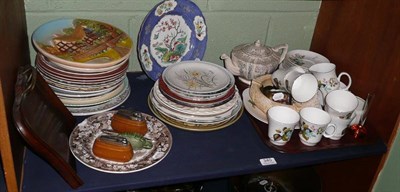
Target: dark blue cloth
(194,156)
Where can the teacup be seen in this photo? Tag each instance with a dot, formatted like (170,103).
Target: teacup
(337,128)
(302,86)
(341,103)
(313,124)
(281,123)
(327,79)
(278,76)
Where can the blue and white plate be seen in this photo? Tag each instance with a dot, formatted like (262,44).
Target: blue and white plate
(173,31)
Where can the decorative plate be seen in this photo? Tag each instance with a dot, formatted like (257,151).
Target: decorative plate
(303,58)
(173,31)
(198,119)
(77,87)
(96,100)
(253,110)
(207,111)
(198,77)
(60,72)
(82,43)
(194,126)
(96,109)
(83,136)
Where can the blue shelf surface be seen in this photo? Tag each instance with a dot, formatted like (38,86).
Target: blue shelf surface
(194,156)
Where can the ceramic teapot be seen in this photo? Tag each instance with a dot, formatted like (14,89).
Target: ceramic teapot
(250,61)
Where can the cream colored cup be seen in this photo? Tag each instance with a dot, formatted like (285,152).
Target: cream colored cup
(313,123)
(281,123)
(302,86)
(341,103)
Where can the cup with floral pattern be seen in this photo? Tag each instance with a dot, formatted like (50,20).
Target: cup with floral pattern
(281,123)
(313,124)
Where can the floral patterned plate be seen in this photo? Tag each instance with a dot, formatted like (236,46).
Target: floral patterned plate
(198,78)
(303,58)
(84,135)
(82,43)
(173,31)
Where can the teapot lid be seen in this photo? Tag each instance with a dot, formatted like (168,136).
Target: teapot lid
(254,52)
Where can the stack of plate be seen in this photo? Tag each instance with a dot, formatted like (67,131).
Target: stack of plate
(196,95)
(85,63)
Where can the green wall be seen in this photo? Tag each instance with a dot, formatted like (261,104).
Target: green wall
(389,178)
(229,22)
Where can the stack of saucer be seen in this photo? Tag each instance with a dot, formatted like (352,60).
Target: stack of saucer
(85,63)
(196,95)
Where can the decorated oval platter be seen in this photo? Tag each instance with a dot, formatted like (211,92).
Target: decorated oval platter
(82,43)
(173,31)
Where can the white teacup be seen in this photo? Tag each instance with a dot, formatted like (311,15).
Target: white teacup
(313,123)
(302,86)
(281,123)
(278,76)
(341,103)
(337,128)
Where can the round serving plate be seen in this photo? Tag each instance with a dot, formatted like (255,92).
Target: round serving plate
(82,43)
(95,109)
(173,31)
(195,98)
(303,58)
(95,100)
(60,72)
(85,133)
(194,126)
(59,82)
(84,70)
(198,78)
(82,89)
(212,110)
(220,111)
(194,102)
(187,118)
(75,81)
(74,93)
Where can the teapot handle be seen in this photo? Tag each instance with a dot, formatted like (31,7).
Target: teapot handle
(284,48)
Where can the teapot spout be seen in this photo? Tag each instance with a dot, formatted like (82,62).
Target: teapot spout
(229,64)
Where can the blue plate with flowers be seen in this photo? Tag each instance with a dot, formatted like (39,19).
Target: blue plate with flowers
(173,31)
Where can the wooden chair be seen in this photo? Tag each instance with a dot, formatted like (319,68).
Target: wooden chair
(44,123)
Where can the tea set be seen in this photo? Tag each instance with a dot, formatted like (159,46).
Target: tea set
(303,75)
